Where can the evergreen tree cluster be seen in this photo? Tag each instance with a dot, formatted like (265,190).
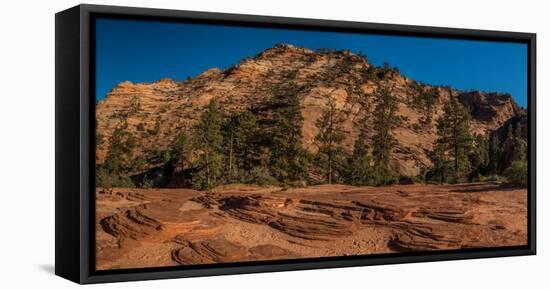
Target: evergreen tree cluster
(424,101)
(451,153)
(364,165)
(239,148)
(458,156)
(117,165)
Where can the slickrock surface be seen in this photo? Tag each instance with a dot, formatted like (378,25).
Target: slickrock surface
(238,223)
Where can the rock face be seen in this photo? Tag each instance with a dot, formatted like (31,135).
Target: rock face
(155,113)
(489,110)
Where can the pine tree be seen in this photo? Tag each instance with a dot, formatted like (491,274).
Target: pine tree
(330,136)
(518,173)
(425,101)
(115,153)
(245,140)
(383,142)
(180,154)
(479,157)
(440,165)
(228,130)
(494,155)
(514,156)
(114,170)
(508,148)
(121,146)
(454,139)
(359,169)
(514,147)
(288,160)
(520,144)
(207,141)
(240,133)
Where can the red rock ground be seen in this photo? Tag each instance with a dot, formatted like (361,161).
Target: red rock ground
(166,227)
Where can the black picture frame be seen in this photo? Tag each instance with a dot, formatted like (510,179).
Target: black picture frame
(75,147)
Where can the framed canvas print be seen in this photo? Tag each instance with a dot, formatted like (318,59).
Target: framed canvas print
(193,144)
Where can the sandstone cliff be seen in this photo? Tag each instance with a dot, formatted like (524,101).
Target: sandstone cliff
(155,113)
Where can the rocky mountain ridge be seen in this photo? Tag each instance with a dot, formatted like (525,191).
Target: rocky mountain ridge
(155,113)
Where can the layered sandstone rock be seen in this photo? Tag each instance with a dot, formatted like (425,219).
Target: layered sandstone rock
(155,113)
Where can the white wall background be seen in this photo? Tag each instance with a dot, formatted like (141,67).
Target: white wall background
(27,143)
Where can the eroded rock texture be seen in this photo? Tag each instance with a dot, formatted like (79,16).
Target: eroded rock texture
(239,223)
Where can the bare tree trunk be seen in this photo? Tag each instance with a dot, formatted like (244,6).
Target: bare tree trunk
(330,145)
(456,146)
(231,152)
(330,168)
(207,172)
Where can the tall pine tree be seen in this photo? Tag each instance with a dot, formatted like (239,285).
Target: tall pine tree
(515,156)
(180,154)
(441,166)
(479,156)
(207,141)
(383,142)
(454,139)
(116,167)
(359,170)
(520,144)
(240,136)
(288,161)
(514,147)
(494,155)
(330,136)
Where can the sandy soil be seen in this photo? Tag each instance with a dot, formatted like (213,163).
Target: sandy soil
(165,227)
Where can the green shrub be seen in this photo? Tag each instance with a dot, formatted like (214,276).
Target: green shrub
(146,183)
(517,173)
(296,184)
(106,180)
(260,177)
(420,179)
(491,178)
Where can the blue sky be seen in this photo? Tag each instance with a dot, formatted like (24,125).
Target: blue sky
(145,51)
